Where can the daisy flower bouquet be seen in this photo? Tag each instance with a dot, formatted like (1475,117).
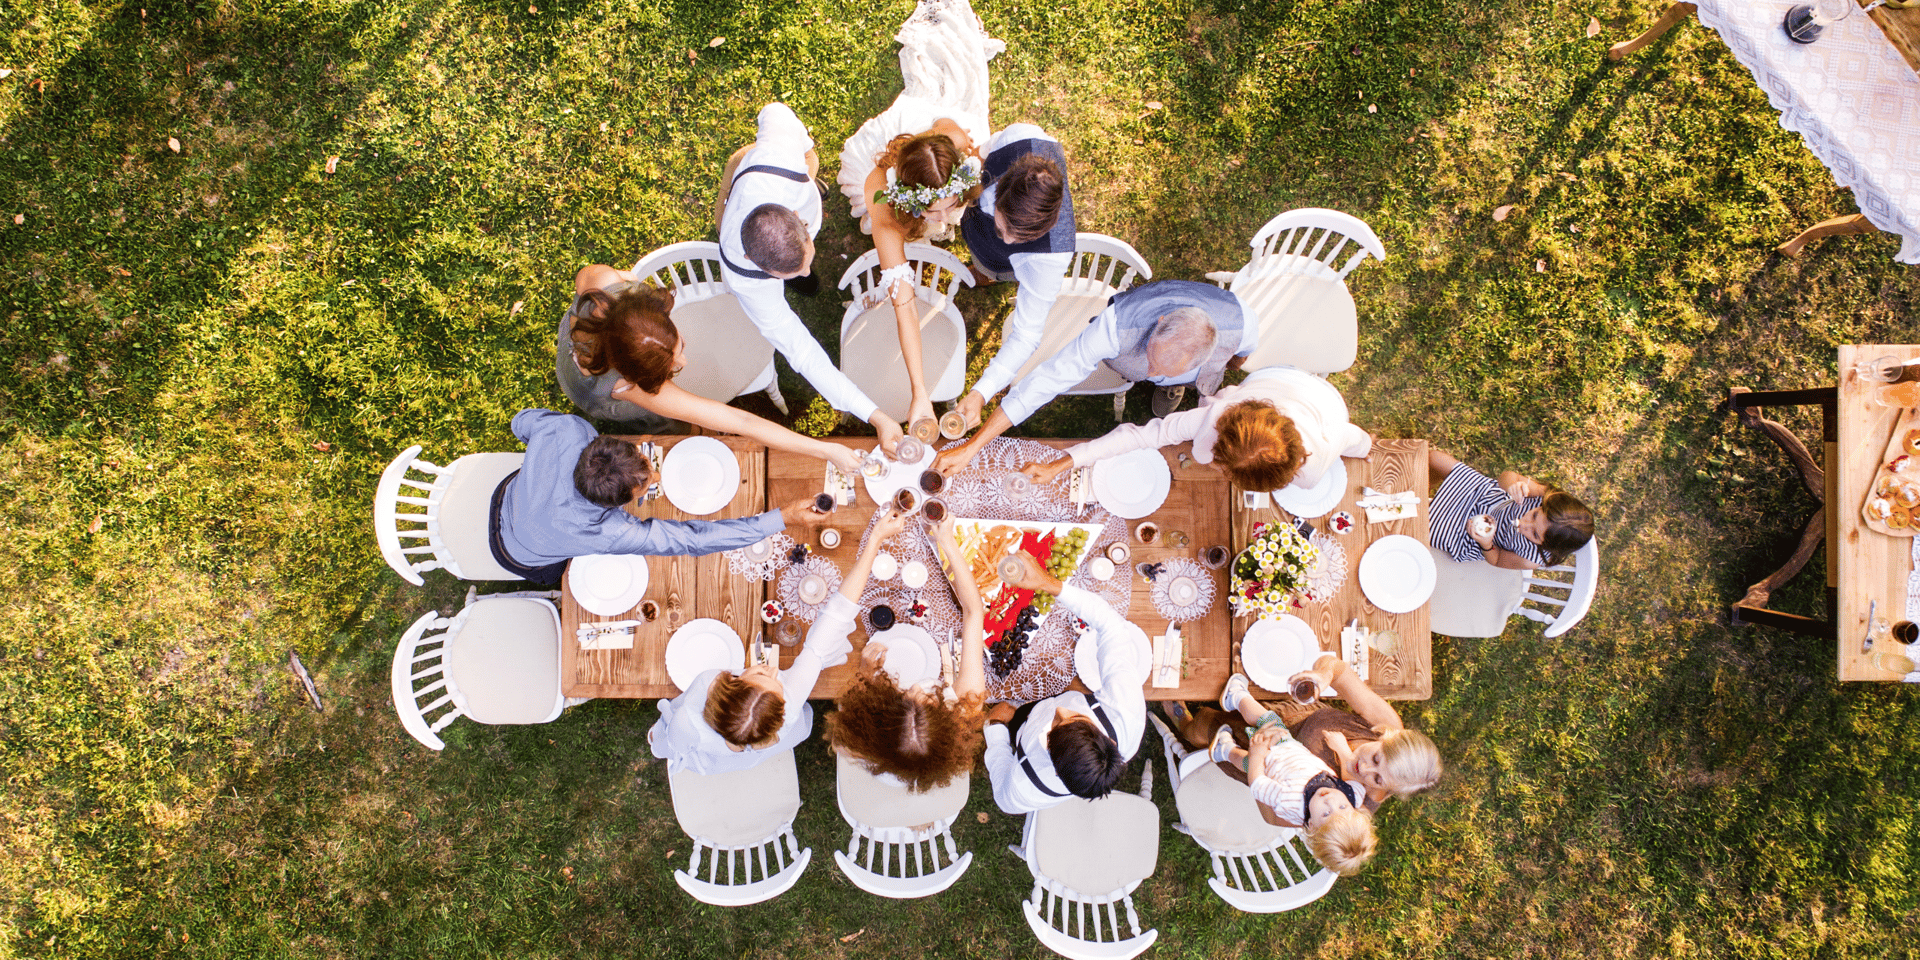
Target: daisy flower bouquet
(1271,571)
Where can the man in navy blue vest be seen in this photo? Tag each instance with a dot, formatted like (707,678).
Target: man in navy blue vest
(1021,229)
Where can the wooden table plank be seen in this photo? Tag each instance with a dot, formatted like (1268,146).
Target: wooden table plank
(1394,466)
(686,588)
(1902,28)
(1869,566)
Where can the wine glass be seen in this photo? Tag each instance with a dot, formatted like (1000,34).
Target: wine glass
(908,450)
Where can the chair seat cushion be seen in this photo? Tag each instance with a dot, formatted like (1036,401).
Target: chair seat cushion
(1097,847)
(1222,814)
(1473,599)
(870,355)
(1080,300)
(881,801)
(504,659)
(464,509)
(1305,321)
(738,808)
(725,352)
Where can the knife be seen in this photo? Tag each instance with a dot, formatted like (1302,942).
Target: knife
(1866,644)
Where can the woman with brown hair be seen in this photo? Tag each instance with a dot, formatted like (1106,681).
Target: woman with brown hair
(725,721)
(923,736)
(1280,427)
(911,172)
(619,352)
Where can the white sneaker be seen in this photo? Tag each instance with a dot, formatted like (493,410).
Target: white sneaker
(1221,751)
(1236,688)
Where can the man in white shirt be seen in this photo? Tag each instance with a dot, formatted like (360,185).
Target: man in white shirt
(1030,238)
(1169,332)
(769,213)
(1071,744)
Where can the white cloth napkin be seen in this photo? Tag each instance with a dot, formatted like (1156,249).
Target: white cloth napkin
(1388,506)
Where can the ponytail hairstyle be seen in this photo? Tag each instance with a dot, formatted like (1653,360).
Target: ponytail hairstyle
(630,331)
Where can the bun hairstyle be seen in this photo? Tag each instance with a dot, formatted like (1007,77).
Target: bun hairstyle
(1569,525)
(923,160)
(1258,447)
(1028,197)
(742,714)
(923,742)
(631,332)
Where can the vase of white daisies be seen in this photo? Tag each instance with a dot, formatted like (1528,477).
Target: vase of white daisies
(1271,571)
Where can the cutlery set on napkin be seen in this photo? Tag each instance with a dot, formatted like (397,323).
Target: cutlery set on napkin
(1382,507)
(1168,654)
(839,486)
(1080,487)
(611,635)
(1353,647)
(655,456)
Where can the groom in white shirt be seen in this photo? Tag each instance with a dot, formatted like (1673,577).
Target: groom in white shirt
(768,216)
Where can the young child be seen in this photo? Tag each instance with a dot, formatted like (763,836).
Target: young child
(1289,780)
(1516,522)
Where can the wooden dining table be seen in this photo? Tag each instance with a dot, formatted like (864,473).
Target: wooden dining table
(689,588)
(1392,467)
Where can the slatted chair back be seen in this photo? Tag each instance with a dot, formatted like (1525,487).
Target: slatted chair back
(1295,286)
(1102,267)
(741,825)
(1314,241)
(870,352)
(497,662)
(1108,845)
(902,845)
(429,517)
(1578,580)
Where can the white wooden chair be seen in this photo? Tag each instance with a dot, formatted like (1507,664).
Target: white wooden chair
(1257,867)
(449,528)
(870,353)
(726,355)
(905,830)
(1475,599)
(496,662)
(1296,285)
(742,820)
(1106,846)
(1102,267)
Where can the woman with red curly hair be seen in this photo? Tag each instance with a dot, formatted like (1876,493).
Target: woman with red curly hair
(910,172)
(925,735)
(1280,427)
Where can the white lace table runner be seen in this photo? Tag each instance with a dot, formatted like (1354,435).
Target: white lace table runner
(1849,95)
(976,492)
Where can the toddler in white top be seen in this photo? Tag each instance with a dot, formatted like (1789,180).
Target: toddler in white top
(1287,779)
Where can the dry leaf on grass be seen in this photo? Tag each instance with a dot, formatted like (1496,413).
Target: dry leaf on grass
(1593,27)
(322,446)
(1539,266)
(332,164)
(981,816)
(173,143)
(19,218)
(518,305)
(603,126)
(849,938)
(1500,212)
(1373,108)
(716,41)
(691,56)
(1154,105)
(5,73)
(97,523)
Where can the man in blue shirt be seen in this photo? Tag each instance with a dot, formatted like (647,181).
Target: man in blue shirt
(565,501)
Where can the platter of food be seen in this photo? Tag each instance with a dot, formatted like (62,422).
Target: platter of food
(1013,613)
(1892,506)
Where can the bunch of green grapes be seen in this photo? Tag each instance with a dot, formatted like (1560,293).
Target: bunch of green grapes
(1042,603)
(1066,553)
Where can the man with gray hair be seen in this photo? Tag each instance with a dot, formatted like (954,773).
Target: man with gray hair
(1170,332)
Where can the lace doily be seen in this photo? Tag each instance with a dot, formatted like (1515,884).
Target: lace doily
(790,587)
(976,492)
(1849,96)
(1163,584)
(745,566)
(1329,572)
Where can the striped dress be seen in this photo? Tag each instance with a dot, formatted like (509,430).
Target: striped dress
(1466,493)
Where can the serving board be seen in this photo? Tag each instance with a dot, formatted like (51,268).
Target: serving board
(1897,448)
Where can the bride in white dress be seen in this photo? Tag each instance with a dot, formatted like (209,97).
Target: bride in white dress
(922,155)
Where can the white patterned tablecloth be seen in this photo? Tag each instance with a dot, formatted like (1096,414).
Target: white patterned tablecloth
(1849,95)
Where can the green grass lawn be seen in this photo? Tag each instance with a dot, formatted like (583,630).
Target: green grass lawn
(210,352)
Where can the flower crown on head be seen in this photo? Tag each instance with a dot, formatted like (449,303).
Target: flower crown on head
(914,201)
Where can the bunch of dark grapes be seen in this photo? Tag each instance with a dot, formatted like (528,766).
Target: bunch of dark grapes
(1004,657)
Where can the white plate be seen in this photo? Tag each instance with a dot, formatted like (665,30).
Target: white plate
(1087,664)
(1133,484)
(911,654)
(883,487)
(702,645)
(1310,502)
(1397,573)
(884,566)
(607,584)
(1274,650)
(700,475)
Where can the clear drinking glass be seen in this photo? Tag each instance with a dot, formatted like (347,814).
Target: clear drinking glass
(1887,369)
(1017,486)
(909,450)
